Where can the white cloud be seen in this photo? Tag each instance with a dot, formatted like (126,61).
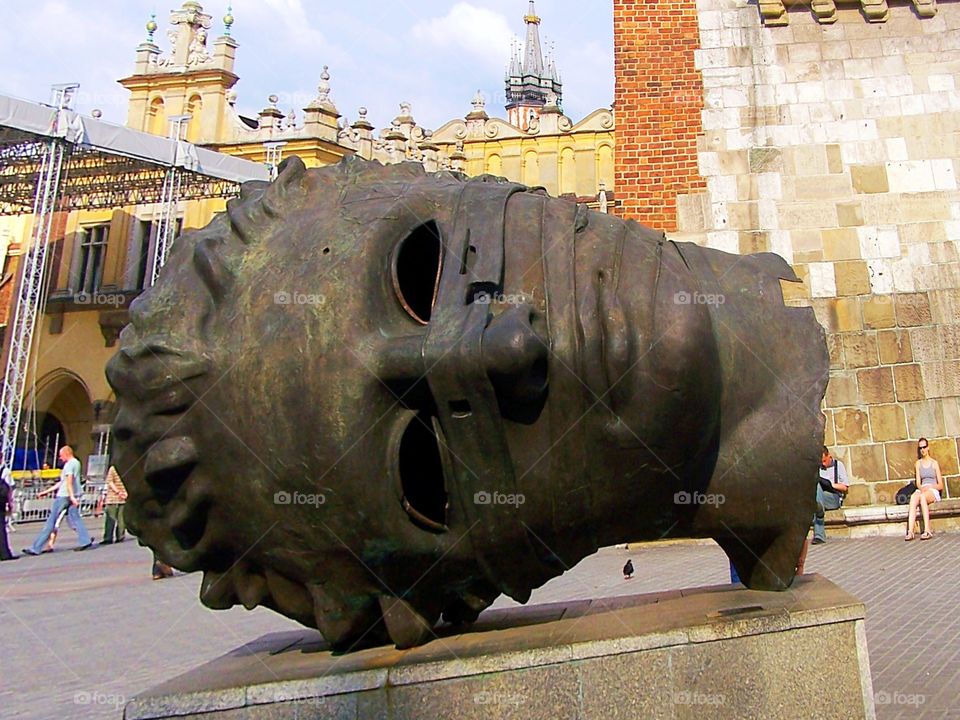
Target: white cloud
(476,31)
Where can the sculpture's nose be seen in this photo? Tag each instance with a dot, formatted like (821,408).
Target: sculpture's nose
(515,357)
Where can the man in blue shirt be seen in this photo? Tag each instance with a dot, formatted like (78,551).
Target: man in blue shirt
(68,494)
(831,486)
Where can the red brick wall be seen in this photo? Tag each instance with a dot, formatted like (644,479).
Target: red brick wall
(657,99)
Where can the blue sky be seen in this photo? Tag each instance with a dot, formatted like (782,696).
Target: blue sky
(433,54)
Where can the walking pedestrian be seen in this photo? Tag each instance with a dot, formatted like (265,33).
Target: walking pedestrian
(67,490)
(6,505)
(7,478)
(113,508)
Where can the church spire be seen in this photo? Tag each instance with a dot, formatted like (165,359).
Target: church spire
(532,80)
(533,57)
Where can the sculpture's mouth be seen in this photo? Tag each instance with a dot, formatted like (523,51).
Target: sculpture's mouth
(170,500)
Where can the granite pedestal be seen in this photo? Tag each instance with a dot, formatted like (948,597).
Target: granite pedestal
(710,652)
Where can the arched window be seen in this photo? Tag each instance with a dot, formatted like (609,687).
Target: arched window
(531,168)
(157,118)
(194,109)
(494,165)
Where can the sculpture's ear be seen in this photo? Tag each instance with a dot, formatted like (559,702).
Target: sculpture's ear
(260,202)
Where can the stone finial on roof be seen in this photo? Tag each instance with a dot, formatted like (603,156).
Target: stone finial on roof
(323,88)
(479,111)
(362,122)
(270,116)
(151,27)
(321,115)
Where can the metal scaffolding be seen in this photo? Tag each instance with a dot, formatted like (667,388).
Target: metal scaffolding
(169,197)
(53,160)
(29,297)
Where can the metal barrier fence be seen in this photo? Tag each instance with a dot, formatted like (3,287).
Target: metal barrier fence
(27,507)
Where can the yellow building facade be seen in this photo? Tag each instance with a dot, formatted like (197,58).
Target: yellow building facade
(99,261)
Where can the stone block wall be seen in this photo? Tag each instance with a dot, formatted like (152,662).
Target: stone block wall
(836,145)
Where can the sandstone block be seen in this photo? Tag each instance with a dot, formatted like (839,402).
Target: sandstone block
(951,416)
(867,463)
(829,434)
(807,215)
(944,305)
(894,346)
(835,350)
(838,315)
(807,246)
(876,385)
(877,310)
(852,278)
(733,162)
(796,291)
(953,486)
(841,244)
(888,422)
(869,178)
(834,159)
(860,349)
(912,309)
(885,493)
(944,451)
(755,242)
(857,494)
(942,379)
(841,389)
(847,313)
(923,419)
(852,426)
(808,159)
(901,457)
(908,380)
(849,214)
(822,187)
(765,159)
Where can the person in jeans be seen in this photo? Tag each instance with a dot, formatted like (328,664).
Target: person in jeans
(113,508)
(831,486)
(67,490)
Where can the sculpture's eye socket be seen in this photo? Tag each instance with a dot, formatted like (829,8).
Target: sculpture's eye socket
(416,271)
(421,473)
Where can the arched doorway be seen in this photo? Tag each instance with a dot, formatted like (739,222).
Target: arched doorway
(64,416)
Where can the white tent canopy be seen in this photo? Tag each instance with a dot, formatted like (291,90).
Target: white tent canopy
(115,165)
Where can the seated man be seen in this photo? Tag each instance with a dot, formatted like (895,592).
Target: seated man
(831,487)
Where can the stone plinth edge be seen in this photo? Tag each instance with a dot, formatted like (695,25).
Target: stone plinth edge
(720,651)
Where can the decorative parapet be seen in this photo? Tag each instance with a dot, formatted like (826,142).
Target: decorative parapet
(774,12)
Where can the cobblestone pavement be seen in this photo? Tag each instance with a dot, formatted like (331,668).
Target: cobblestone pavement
(82,632)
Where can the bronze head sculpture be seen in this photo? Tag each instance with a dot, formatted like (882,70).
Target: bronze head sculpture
(370,397)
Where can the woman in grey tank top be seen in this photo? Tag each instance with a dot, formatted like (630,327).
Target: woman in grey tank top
(929,481)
